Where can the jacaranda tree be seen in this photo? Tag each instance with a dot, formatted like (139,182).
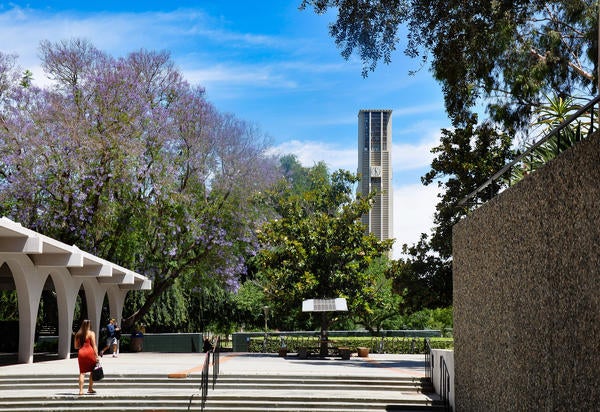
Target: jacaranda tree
(124,158)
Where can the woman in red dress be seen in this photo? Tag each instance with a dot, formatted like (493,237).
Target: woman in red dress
(85,341)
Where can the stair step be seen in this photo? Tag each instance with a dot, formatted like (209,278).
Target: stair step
(233,393)
(224,382)
(182,404)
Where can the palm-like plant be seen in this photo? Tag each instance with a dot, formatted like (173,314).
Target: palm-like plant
(549,117)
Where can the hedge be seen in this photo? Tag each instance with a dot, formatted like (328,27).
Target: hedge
(390,345)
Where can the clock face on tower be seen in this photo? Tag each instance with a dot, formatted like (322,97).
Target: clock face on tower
(375,171)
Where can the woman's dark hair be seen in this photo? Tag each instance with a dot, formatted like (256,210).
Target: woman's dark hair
(83,332)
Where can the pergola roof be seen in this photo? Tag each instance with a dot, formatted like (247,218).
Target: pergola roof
(325,305)
(47,252)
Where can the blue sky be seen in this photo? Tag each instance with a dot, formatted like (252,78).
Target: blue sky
(267,63)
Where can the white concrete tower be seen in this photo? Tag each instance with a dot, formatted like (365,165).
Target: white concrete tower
(375,169)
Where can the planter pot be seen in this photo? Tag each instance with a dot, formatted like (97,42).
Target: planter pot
(283,352)
(344,353)
(363,352)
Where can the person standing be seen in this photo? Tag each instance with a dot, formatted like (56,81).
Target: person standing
(87,356)
(117,345)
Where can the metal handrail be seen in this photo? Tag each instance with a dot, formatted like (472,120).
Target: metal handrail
(554,132)
(204,380)
(445,385)
(216,362)
(204,376)
(203,383)
(428,360)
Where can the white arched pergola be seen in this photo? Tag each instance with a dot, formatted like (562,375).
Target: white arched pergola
(33,257)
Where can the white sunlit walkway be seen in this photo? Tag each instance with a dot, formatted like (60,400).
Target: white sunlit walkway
(28,260)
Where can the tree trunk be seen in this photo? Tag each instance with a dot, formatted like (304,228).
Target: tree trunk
(324,351)
(129,322)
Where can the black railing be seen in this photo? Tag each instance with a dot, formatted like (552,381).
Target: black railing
(587,110)
(216,355)
(203,382)
(204,376)
(445,384)
(428,360)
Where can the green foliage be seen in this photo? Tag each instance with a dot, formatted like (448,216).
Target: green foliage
(434,319)
(465,158)
(8,305)
(317,248)
(505,55)
(423,278)
(250,299)
(549,116)
(389,345)
(157,319)
(46,346)
(381,304)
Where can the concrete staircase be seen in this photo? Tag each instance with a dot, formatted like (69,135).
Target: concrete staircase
(232,393)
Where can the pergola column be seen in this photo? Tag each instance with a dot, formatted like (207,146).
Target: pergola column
(29,285)
(116,302)
(67,290)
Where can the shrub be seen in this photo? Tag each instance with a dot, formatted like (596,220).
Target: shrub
(390,345)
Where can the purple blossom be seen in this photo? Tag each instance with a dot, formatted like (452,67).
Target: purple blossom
(130,147)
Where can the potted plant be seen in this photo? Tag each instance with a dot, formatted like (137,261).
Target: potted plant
(363,352)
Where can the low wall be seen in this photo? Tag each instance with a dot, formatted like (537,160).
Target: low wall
(526,275)
(436,359)
(172,342)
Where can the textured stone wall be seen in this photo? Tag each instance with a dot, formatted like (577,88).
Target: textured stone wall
(527,292)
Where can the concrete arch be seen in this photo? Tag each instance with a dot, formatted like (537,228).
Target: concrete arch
(94,295)
(67,288)
(116,301)
(29,284)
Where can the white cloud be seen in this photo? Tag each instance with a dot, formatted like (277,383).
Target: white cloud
(411,156)
(405,156)
(310,153)
(413,110)
(414,206)
(239,75)
(236,39)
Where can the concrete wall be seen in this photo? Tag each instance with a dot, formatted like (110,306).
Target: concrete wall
(527,292)
(172,342)
(436,359)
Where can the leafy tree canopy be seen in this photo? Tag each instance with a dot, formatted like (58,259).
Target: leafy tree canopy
(465,158)
(505,54)
(502,55)
(317,248)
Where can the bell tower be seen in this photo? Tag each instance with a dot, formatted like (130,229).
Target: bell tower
(375,169)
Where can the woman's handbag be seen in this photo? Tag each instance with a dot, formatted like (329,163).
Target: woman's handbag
(97,372)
